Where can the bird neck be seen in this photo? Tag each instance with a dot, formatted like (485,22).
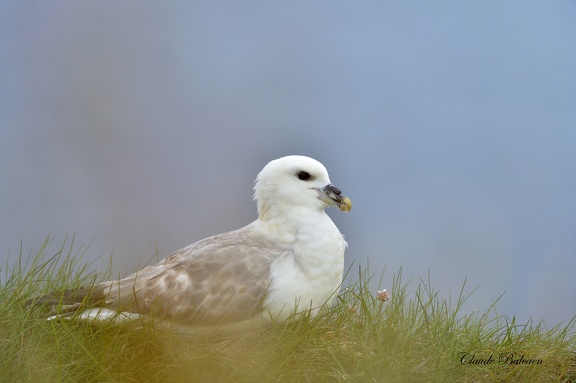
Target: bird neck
(290,222)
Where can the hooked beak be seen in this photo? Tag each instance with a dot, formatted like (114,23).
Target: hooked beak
(331,195)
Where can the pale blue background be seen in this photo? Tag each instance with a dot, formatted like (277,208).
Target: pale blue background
(451,125)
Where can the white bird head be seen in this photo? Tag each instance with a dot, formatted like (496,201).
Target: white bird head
(297,183)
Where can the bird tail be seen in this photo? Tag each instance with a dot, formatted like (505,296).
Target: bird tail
(70,301)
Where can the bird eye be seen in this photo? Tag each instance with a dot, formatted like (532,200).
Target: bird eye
(304,176)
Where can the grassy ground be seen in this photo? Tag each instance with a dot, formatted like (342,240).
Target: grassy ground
(417,336)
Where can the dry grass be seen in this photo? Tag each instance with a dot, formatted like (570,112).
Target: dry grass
(417,336)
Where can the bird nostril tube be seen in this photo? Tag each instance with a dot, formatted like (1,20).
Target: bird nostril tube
(334,189)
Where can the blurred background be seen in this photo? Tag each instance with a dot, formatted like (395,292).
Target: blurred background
(142,125)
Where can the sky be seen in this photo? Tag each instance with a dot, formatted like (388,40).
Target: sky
(140,126)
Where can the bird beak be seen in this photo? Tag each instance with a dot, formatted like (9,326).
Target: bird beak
(333,196)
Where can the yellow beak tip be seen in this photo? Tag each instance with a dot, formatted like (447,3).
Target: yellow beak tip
(346,206)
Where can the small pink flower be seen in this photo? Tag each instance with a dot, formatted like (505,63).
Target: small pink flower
(383,295)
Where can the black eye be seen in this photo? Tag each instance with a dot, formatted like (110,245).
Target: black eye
(304,176)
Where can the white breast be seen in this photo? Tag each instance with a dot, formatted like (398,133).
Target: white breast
(310,274)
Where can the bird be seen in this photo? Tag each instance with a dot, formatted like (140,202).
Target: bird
(289,260)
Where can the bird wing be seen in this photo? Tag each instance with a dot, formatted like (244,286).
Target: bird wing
(219,280)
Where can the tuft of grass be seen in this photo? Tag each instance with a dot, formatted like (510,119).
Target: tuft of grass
(416,336)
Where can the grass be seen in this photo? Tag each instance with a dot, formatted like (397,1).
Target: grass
(417,336)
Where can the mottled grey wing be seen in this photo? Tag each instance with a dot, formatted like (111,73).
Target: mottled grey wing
(221,279)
